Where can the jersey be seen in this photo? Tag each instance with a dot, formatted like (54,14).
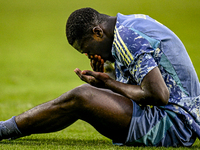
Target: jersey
(141,44)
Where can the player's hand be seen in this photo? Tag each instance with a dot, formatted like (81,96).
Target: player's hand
(97,79)
(97,63)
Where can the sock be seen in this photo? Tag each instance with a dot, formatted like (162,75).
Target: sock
(9,129)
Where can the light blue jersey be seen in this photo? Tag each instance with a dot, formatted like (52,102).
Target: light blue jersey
(141,44)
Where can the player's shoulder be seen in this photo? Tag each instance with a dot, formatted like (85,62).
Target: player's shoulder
(137,21)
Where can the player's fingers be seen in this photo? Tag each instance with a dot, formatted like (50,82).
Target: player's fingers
(102,61)
(96,57)
(78,72)
(93,63)
(99,58)
(82,76)
(98,63)
(90,56)
(97,66)
(90,73)
(102,65)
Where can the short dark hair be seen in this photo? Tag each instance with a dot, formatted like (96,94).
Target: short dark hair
(81,22)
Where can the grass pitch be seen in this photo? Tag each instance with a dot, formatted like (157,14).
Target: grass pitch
(37,63)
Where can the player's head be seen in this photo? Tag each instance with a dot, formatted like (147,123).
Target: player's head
(85,33)
(80,24)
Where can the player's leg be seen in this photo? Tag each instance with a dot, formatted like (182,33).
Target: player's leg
(108,112)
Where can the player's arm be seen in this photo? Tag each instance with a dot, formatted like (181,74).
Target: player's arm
(152,91)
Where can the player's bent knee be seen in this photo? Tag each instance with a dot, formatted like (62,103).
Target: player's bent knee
(82,92)
(77,96)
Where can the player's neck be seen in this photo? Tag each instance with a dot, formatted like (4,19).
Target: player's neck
(109,26)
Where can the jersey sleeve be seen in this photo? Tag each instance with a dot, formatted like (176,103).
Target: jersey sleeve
(142,66)
(134,52)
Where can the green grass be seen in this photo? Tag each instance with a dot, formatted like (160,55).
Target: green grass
(37,63)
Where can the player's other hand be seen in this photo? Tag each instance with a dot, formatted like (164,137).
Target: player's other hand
(97,63)
(97,79)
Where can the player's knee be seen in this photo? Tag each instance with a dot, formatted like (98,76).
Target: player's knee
(83,92)
(76,97)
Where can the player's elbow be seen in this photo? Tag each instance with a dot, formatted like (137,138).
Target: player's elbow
(156,97)
(161,97)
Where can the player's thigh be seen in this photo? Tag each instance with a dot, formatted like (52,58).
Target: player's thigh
(110,113)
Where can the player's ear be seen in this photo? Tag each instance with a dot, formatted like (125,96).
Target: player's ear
(98,31)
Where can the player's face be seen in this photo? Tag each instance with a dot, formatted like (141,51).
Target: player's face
(95,47)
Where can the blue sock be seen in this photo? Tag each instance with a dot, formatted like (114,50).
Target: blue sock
(9,129)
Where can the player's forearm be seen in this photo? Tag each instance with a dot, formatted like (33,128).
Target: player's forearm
(135,92)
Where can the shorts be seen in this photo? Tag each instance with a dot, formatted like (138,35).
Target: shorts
(155,126)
